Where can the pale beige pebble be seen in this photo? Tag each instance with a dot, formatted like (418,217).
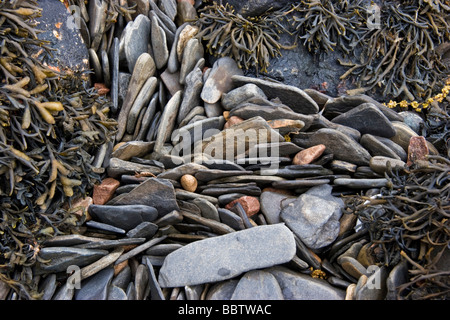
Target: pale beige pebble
(350,292)
(189,183)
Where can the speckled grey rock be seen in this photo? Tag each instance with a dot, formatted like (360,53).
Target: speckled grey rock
(314,216)
(224,257)
(257,285)
(298,286)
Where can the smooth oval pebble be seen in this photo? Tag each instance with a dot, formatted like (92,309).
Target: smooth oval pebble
(189,183)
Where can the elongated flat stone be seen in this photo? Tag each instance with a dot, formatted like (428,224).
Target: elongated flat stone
(224,257)
(125,216)
(291,96)
(62,257)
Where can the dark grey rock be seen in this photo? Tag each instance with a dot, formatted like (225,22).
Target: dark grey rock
(104,226)
(271,205)
(196,131)
(367,118)
(297,286)
(134,40)
(123,216)
(155,289)
(377,148)
(141,101)
(192,53)
(123,278)
(116,293)
(222,290)
(167,121)
(240,95)
(145,229)
(114,60)
(397,277)
(207,209)
(299,183)
(413,120)
(205,175)
(118,167)
(230,218)
(314,216)
(340,145)
(155,192)
(257,285)
(48,286)
(95,287)
(224,257)
(159,43)
(291,96)
(220,79)
(256,7)
(274,149)
(65,292)
(63,257)
(97,10)
(339,105)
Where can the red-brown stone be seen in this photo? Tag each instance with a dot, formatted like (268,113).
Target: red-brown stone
(417,149)
(232,121)
(250,204)
(105,191)
(308,155)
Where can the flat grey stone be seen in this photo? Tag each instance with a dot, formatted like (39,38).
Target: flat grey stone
(367,118)
(222,290)
(145,229)
(135,39)
(207,209)
(116,293)
(340,145)
(95,287)
(291,96)
(122,215)
(361,183)
(224,257)
(63,257)
(48,286)
(196,131)
(133,149)
(339,105)
(240,95)
(167,121)
(377,147)
(297,286)
(176,173)
(220,79)
(118,167)
(314,216)
(156,192)
(159,43)
(271,205)
(141,101)
(228,143)
(143,69)
(230,218)
(192,53)
(257,285)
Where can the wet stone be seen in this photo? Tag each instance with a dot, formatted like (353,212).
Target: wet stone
(314,216)
(63,257)
(95,287)
(119,167)
(257,285)
(145,229)
(159,43)
(240,95)
(297,286)
(156,192)
(224,257)
(291,96)
(135,39)
(230,218)
(192,53)
(126,217)
(376,147)
(340,145)
(219,80)
(367,118)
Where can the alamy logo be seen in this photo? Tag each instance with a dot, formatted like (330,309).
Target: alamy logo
(74,280)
